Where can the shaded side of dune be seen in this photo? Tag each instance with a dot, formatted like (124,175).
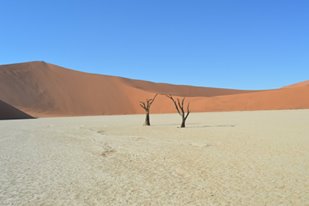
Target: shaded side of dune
(9,112)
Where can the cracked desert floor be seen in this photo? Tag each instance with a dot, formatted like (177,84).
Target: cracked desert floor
(228,158)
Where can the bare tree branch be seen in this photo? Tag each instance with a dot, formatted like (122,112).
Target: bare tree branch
(146,106)
(175,103)
(152,100)
(179,105)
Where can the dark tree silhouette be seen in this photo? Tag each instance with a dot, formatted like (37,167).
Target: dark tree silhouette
(146,106)
(179,105)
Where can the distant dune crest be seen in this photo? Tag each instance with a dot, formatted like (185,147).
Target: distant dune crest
(42,90)
(300,84)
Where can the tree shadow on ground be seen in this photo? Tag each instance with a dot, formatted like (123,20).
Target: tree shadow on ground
(194,125)
(210,126)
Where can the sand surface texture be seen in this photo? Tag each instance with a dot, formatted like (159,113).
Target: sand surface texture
(236,158)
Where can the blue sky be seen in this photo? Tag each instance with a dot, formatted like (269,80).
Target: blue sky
(248,44)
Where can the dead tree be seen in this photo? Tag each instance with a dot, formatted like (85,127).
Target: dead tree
(146,106)
(179,105)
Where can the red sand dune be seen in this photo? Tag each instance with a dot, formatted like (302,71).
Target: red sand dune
(42,89)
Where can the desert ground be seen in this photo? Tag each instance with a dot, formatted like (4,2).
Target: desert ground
(226,158)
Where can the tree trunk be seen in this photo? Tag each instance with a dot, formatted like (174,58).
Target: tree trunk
(147,120)
(183,123)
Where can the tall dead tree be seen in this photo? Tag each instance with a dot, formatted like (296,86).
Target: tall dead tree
(180,105)
(146,106)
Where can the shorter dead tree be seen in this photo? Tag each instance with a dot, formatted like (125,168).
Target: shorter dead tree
(179,105)
(146,106)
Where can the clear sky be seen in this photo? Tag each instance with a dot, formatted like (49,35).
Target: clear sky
(248,44)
